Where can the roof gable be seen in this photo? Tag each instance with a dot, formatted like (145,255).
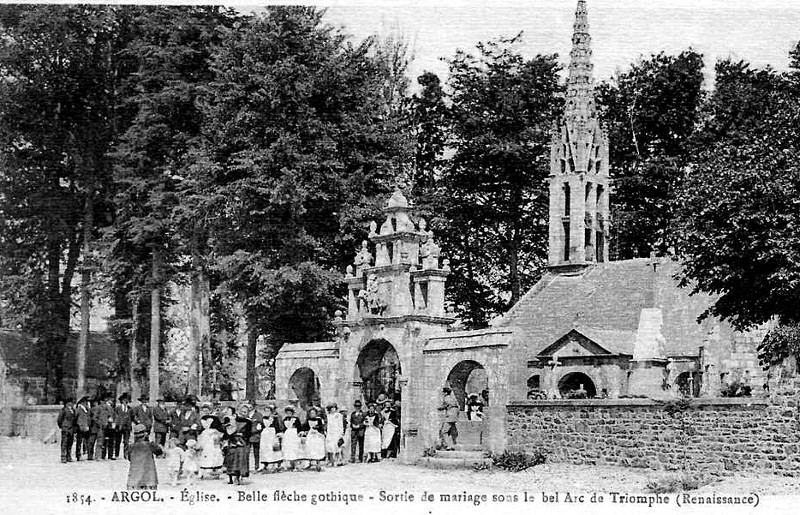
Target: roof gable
(574,343)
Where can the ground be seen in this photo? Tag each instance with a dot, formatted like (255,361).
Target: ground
(34,481)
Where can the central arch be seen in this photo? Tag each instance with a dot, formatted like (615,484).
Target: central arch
(304,386)
(378,366)
(468,377)
(576,381)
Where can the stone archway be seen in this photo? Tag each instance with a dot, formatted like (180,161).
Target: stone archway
(468,377)
(574,382)
(304,386)
(688,384)
(378,368)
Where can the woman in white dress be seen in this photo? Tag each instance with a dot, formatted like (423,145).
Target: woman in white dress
(388,430)
(372,435)
(290,445)
(315,439)
(270,443)
(334,437)
(211,459)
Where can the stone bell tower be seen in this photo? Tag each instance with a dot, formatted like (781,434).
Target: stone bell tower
(579,183)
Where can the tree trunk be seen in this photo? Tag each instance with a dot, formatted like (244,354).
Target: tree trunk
(251,392)
(133,354)
(199,323)
(86,277)
(155,328)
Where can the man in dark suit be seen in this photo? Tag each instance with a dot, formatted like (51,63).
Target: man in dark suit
(256,426)
(83,420)
(161,421)
(357,431)
(143,414)
(97,428)
(122,436)
(187,424)
(110,429)
(67,420)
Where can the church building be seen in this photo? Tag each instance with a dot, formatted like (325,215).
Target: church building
(590,328)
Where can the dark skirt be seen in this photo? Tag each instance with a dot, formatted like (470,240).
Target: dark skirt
(237,460)
(142,471)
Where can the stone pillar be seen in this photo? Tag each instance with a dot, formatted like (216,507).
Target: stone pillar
(556,228)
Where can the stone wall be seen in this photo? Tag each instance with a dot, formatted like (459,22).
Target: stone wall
(717,436)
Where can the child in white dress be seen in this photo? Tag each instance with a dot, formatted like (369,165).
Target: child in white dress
(315,439)
(174,460)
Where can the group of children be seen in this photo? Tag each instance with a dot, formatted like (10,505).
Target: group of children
(223,442)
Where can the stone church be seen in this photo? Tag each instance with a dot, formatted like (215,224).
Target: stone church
(589,328)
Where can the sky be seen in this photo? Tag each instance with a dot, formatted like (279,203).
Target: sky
(761,32)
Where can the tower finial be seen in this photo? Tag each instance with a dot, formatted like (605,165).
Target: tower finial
(580,81)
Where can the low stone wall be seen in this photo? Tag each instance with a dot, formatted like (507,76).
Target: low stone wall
(716,436)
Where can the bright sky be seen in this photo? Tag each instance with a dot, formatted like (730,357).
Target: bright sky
(761,32)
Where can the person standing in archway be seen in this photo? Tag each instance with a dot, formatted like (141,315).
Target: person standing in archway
(448,433)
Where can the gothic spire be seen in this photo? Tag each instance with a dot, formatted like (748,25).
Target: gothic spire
(580,81)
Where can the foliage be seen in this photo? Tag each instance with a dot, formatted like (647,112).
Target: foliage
(673,483)
(651,111)
(736,389)
(298,148)
(492,216)
(737,218)
(779,343)
(518,461)
(576,394)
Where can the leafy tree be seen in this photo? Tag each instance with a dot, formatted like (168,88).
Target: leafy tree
(651,112)
(494,217)
(170,48)
(298,148)
(738,219)
(429,119)
(58,118)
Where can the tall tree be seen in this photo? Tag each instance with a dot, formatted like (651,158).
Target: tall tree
(171,48)
(299,145)
(57,121)
(738,217)
(494,223)
(651,111)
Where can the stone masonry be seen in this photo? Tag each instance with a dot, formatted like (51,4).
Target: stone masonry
(715,436)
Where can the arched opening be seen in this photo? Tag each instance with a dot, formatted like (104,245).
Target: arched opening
(688,384)
(379,368)
(304,386)
(469,377)
(577,385)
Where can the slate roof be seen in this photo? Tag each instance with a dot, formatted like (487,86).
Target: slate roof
(604,301)
(23,358)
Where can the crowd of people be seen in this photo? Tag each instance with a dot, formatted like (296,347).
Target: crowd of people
(204,440)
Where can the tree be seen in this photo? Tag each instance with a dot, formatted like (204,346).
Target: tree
(429,119)
(58,118)
(298,147)
(738,219)
(171,48)
(651,112)
(494,221)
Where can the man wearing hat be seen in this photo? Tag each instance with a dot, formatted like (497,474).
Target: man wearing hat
(110,428)
(256,426)
(66,423)
(448,432)
(124,425)
(143,414)
(161,421)
(357,430)
(83,421)
(97,430)
(188,423)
